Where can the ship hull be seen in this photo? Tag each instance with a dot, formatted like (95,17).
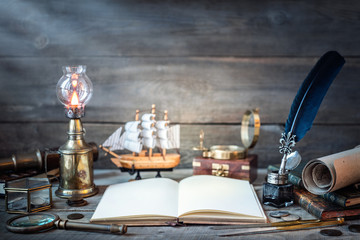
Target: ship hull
(157,161)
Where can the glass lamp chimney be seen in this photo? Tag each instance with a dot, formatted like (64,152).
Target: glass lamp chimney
(74,90)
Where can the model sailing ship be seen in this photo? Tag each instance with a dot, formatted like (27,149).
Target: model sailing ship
(141,137)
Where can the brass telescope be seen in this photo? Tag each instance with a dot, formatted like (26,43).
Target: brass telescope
(35,160)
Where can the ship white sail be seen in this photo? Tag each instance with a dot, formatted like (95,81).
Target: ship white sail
(152,133)
(132,126)
(131,139)
(174,137)
(113,142)
(148,136)
(148,117)
(162,124)
(168,137)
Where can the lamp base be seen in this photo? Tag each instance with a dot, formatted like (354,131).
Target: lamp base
(76,165)
(70,193)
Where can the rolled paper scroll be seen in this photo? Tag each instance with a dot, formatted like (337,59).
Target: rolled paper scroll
(330,173)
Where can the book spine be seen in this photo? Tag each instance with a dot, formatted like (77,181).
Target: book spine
(346,213)
(335,198)
(306,203)
(295,180)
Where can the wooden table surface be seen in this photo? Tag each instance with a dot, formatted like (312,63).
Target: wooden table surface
(107,177)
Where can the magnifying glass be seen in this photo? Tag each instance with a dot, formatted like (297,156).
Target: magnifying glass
(40,222)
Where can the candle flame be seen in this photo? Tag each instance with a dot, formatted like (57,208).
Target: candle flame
(74,99)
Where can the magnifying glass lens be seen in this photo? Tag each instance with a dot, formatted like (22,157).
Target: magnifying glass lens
(32,220)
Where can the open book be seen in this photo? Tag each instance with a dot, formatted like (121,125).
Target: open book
(197,199)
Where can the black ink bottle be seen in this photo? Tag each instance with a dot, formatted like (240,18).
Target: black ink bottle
(277,192)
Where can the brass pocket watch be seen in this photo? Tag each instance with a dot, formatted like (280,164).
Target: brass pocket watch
(250,131)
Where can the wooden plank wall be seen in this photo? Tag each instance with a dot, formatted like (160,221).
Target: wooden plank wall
(204,61)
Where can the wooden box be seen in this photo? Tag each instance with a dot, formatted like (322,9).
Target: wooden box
(245,169)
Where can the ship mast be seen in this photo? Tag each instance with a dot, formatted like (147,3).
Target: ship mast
(153,118)
(165,119)
(136,119)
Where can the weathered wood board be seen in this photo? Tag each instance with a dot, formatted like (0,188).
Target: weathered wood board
(193,90)
(178,28)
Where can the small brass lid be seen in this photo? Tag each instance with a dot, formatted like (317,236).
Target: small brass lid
(227,152)
(250,131)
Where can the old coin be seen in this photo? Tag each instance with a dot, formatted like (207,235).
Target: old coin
(354,228)
(330,232)
(291,217)
(279,214)
(75,216)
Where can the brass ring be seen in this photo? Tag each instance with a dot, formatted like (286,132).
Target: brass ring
(42,222)
(247,140)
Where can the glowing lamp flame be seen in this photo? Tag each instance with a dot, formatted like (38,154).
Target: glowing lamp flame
(74,99)
(74,90)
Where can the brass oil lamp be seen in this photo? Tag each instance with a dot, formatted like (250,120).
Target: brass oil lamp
(74,90)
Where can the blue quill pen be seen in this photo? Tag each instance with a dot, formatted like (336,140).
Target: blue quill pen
(307,102)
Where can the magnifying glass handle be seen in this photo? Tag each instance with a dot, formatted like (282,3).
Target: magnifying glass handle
(67,225)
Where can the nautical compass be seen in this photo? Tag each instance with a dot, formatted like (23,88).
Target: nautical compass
(250,131)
